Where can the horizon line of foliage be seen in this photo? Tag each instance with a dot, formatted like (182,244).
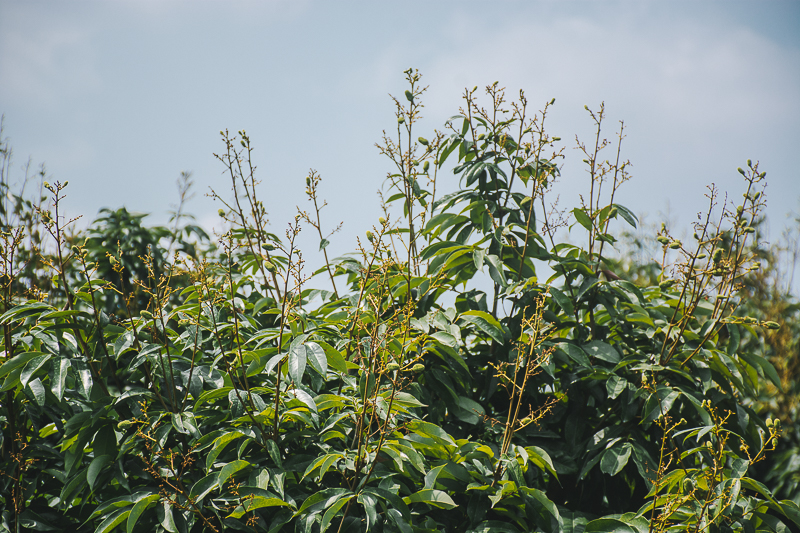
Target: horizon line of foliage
(153,380)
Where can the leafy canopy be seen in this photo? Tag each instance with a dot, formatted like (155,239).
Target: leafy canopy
(465,370)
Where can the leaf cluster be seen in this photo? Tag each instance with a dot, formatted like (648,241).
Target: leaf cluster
(442,385)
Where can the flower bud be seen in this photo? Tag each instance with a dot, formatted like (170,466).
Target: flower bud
(270,266)
(553,101)
(409,96)
(423,141)
(391,367)
(769,422)
(243,144)
(401,120)
(123,424)
(667,283)
(740,171)
(674,245)
(267,246)
(749,163)
(382,221)
(662,239)
(772,325)
(417,368)
(426,165)
(146,314)
(749,229)
(308,181)
(221,212)
(556,138)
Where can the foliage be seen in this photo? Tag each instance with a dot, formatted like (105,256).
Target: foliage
(234,397)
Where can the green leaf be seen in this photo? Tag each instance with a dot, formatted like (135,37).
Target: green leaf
(430,477)
(330,513)
(31,367)
(297,360)
(614,459)
(201,489)
(562,301)
(608,525)
(582,218)
(469,411)
(486,323)
(60,369)
(760,488)
(739,467)
(436,498)
(554,518)
(769,370)
(95,467)
(18,361)
(113,521)
(791,510)
(140,507)
(426,429)
(113,504)
(219,445)
(542,459)
(602,351)
(37,388)
(659,403)
(575,353)
(478,257)
(627,214)
(85,381)
(317,357)
(323,244)
(368,501)
(496,271)
(615,385)
(230,469)
(335,358)
(321,500)
(166,517)
(257,502)
(323,464)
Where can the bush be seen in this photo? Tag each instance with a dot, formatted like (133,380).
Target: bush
(441,385)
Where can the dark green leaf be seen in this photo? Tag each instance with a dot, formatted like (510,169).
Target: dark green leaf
(614,459)
(486,323)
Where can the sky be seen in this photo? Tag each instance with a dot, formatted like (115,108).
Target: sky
(118,97)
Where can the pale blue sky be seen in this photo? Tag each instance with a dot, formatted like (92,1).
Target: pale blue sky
(119,97)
